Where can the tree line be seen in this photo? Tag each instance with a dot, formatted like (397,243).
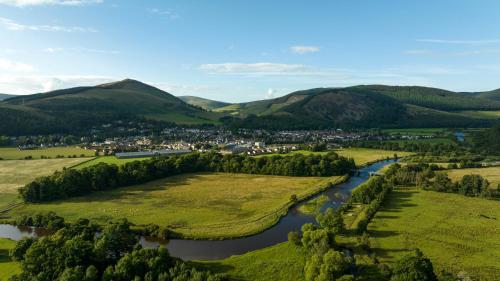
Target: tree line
(72,182)
(84,252)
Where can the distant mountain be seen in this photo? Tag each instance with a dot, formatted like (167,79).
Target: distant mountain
(81,108)
(361,106)
(5,96)
(491,95)
(203,103)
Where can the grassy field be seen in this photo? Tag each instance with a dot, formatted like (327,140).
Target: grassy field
(456,232)
(7,266)
(206,205)
(492,174)
(107,160)
(283,261)
(12,153)
(361,156)
(16,173)
(415,131)
(313,206)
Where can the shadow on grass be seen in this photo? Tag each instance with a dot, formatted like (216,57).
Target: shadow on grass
(4,256)
(214,267)
(396,201)
(389,253)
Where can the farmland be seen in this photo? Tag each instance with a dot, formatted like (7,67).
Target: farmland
(16,173)
(361,156)
(12,153)
(492,174)
(7,266)
(208,205)
(107,160)
(456,232)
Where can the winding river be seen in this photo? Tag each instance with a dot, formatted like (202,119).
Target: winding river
(219,249)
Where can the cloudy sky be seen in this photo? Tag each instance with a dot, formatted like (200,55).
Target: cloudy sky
(246,50)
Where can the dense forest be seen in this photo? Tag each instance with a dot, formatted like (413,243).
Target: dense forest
(71,182)
(488,141)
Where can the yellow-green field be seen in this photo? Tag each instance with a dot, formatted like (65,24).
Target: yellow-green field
(456,232)
(492,174)
(208,205)
(16,173)
(361,156)
(12,153)
(107,160)
(283,261)
(7,266)
(482,114)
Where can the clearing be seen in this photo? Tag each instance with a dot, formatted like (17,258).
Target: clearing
(492,174)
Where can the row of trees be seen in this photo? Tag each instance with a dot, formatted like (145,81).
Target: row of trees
(71,182)
(79,253)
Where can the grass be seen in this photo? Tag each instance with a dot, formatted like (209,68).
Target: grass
(313,206)
(16,173)
(492,174)
(456,232)
(13,153)
(283,261)
(482,114)
(415,131)
(205,205)
(7,266)
(361,156)
(425,141)
(107,160)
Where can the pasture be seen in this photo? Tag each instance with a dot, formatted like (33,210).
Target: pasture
(456,232)
(13,153)
(204,205)
(415,131)
(492,174)
(7,266)
(107,160)
(283,261)
(16,173)
(361,156)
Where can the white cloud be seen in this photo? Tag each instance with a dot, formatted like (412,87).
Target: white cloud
(166,13)
(24,3)
(13,66)
(304,49)
(260,67)
(271,93)
(14,26)
(460,42)
(30,84)
(80,50)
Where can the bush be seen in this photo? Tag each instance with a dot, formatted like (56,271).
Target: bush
(293,237)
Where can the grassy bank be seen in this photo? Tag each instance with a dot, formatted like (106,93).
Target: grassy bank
(205,205)
(13,153)
(283,261)
(457,232)
(7,266)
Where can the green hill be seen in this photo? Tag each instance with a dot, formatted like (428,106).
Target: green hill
(360,106)
(5,96)
(203,103)
(492,95)
(81,108)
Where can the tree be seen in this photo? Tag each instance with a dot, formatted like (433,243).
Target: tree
(414,268)
(331,220)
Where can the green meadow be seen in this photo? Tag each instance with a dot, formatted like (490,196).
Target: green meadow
(492,174)
(283,261)
(13,153)
(204,205)
(107,160)
(456,232)
(7,266)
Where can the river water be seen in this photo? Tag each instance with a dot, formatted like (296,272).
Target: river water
(219,249)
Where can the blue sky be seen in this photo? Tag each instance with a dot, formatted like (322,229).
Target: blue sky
(246,50)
